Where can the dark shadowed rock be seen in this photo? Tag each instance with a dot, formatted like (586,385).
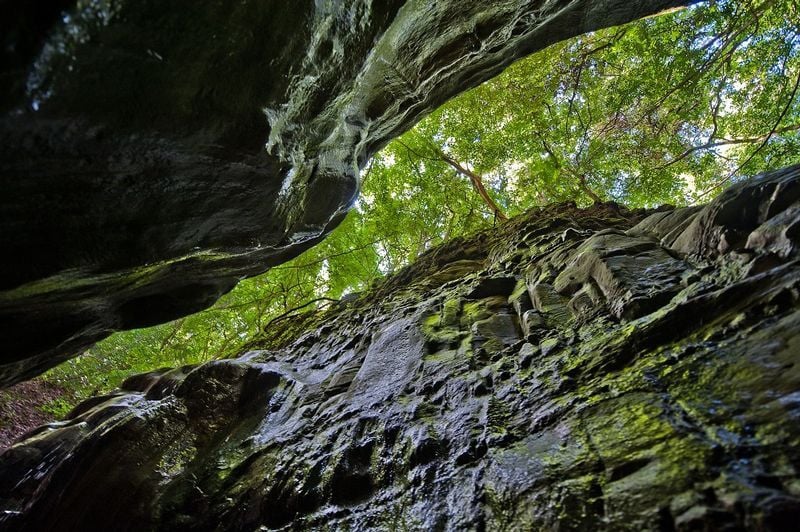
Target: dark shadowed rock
(649,382)
(153,154)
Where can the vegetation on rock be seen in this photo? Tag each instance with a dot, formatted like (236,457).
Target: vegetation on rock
(490,340)
(668,109)
(155,154)
(571,369)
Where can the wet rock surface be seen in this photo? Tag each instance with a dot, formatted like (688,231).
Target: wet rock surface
(571,369)
(153,154)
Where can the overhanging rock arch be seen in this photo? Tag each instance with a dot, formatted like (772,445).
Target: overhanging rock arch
(136,186)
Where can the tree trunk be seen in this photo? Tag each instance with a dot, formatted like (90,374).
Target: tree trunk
(587,190)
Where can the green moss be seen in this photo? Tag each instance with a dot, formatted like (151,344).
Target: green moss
(451,312)
(498,416)
(504,506)
(426,410)
(474,311)
(442,356)
(430,326)
(77,281)
(441,332)
(176,457)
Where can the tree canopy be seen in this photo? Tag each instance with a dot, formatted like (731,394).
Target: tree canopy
(669,109)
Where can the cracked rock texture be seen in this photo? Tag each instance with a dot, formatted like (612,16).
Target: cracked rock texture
(154,154)
(572,369)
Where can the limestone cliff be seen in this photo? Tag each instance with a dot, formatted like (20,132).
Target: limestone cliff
(155,153)
(572,369)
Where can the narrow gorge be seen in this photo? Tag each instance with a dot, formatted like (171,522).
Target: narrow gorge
(576,367)
(153,156)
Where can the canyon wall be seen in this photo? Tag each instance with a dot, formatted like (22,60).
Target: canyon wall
(154,154)
(571,369)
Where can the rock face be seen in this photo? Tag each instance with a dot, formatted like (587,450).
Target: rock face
(572,369)
(154,155)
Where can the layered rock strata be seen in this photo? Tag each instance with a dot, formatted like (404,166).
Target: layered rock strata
(154,154)
(572,369)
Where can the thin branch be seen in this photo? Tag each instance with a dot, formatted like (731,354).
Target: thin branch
(572,98)
(177,324)
(549,151)
(477,182)
(774,129)
(476,179)
(415,152)
(766,140)
(582,185)
(726,50)
(332,256)
(731,142)
(290,312)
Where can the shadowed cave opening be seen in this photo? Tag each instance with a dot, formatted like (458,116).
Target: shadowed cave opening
(526,320)
(527,136)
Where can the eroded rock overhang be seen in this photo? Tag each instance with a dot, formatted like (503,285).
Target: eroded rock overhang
(154,155)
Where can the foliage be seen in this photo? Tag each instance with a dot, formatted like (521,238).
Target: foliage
(699,95)
(664,110)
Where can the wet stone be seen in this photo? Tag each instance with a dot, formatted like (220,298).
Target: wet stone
(610,404)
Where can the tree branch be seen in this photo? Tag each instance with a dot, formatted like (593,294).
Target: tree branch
(291,311)
(588,191)
(766,140)
(476,179)
(731,142)
(477,182)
